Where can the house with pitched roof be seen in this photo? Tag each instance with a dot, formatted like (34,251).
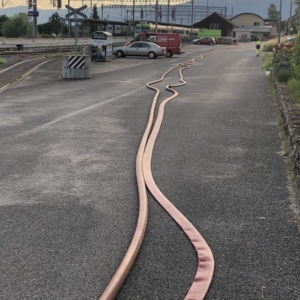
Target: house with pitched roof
(220,22)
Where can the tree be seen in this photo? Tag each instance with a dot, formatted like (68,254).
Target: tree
(45,28)
(55,23)
(3,18)
(297,3)
(15,26)
(94,13)
(273,13)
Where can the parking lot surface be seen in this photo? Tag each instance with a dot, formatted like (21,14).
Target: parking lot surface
(69,199)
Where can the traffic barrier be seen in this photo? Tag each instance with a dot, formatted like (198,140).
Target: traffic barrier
(76,66)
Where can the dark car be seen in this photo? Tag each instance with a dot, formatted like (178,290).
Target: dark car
(205,41)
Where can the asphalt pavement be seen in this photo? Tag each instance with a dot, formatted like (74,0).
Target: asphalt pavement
(69,203)
(9,73)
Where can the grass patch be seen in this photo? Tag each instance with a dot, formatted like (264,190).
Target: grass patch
(2,60)
(267,61)
(268,47)
(270,44)
(16,78)
(55,56)
(294,88)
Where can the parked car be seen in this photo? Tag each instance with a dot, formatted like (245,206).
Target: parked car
(205,41)
(140,49)
(171,41)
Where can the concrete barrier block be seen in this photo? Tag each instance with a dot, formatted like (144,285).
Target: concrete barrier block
(76,66)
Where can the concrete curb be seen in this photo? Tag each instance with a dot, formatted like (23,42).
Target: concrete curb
(291,124)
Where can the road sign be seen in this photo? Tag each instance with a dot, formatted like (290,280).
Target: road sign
(76,11)
(32,13)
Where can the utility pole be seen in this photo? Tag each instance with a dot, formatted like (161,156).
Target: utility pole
(192,18)
(122,8)
(34,19)
(160,14)
(279,23)
(128,24)
(69,21)
(133,10)
(168,14)
(290,19)
(156,15)
(61,27)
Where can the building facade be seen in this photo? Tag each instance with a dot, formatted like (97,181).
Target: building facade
(252,27)
(220,22)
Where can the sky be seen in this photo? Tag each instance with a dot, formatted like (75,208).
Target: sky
(259,7)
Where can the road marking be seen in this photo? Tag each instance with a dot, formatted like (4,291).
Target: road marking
(22,62)
(80,111)
(23,76)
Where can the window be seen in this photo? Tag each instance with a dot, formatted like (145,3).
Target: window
(214,25)
(256,23)
(135,45)
(144,45)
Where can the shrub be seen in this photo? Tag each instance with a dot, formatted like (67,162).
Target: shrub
(282,60)
(15,26)
(2,60)
(45,36)
(284,74)
(296,57)
(268,47)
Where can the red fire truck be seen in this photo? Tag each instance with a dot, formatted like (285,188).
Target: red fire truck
(171,41)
